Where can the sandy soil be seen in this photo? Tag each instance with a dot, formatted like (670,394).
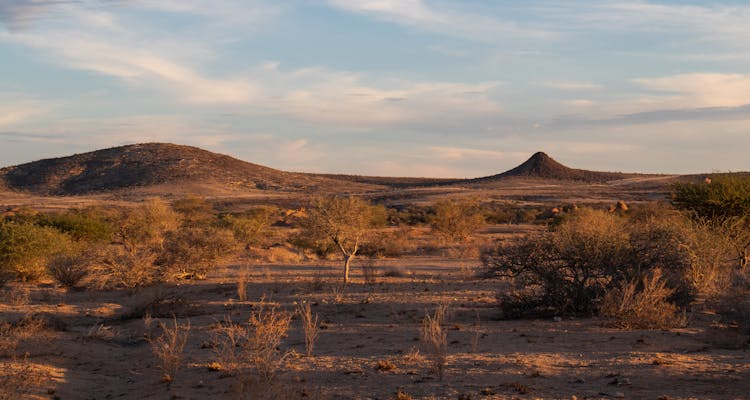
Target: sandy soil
(94,346)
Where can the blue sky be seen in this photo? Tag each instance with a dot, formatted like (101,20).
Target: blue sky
(442,88)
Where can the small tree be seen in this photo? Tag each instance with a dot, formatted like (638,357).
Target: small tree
(344,221)
(457,219)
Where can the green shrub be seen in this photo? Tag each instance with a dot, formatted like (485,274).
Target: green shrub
(25,248)
(250,228)
(195,211)
(724,196)
(87,225)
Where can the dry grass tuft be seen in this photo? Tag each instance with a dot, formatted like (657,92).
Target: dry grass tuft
(242,286)
(19,378)
(435,338)
(169,346)
(309,326)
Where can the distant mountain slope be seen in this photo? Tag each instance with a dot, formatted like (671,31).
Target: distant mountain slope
(150,164)
(540,165)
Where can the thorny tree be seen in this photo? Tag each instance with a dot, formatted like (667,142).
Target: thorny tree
(345,221)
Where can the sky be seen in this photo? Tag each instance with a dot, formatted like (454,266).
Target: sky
(435,88)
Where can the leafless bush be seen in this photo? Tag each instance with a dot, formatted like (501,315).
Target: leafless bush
(69,269)
(169,346)
(733,307)
(309,325)
(254,344)
(122,268)
(435,339)
(642,305)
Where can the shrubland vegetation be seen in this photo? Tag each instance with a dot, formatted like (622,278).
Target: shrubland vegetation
(640,268)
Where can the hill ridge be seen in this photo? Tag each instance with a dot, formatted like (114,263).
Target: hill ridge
(147,164)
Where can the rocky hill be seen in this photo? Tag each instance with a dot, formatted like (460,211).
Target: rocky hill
(540,165)
(149,164)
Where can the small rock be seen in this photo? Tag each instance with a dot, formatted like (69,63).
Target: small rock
(619,395)
(557,319)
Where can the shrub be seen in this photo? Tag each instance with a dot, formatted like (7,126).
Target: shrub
(89,225)
(129,269)
(69,269)
(457,220)
(169,346)
(391,243)
(255,344)
(642,305)
(191,252)
(569,270)
(145,226)
(724,196)
(195,211)
(25,248)
(250,228)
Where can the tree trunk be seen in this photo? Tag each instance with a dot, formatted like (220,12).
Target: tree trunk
(347,264)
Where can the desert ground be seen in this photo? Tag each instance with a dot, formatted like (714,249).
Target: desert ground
(93,344)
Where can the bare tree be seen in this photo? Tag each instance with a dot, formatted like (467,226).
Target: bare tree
(345,221)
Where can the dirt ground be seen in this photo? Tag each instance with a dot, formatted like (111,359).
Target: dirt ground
(94,345)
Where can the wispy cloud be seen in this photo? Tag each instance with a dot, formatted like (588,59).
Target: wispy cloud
(699,90)
(346,98)
(573,86)
(449,19)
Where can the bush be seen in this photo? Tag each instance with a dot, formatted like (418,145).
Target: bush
(724,196)
(569,270)
(169,346)
(69,269)
(145,226)
(250,228)
(128,269)
(25,248)
(195,211)
(191,252)
(393,243)
(89,225)
(642,305)
(457,220)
